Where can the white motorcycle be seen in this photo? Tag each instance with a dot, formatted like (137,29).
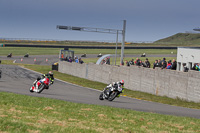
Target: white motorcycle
(110,92)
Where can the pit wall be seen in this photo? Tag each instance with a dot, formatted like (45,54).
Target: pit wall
(173,84)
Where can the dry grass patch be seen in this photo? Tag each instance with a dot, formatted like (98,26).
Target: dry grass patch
(70,119)
(45,121)
(102,116)
(86,109)
(48,108)
(3,115)
(33,131)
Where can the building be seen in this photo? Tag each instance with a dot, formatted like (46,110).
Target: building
(187,57)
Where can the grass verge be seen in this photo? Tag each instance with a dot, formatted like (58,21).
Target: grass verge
(20,113)
(100,86)
(4,51)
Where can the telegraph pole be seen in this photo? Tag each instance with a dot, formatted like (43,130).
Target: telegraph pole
(123,42)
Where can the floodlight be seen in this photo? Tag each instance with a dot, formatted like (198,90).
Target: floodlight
(76,28)
(63,27)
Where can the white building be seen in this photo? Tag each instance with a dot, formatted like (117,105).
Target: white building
(187,56)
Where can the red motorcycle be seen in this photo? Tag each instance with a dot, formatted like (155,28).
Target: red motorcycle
(40,84)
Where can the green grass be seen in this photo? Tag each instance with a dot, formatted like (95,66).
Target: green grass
(55,51)
(20,113)
(100,86)
(181,39)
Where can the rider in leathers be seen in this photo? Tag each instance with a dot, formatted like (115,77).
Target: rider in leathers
(119,85)
(48,75)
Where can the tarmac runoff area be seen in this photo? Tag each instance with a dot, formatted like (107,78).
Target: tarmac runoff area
(18,80)
(50,59)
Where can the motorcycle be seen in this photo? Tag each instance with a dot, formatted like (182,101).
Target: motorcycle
(41,84)
(110,92)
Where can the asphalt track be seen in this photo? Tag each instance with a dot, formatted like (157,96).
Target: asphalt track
(18,80)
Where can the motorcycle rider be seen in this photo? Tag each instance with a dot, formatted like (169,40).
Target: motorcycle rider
(49,75)
(119,85)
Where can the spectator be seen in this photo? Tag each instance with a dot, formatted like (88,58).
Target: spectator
(195,67)
(131,62)
(66,59)
(185,69)
(143,63)
(164,63)
(62,56)
(70,59)
(76,59)
(169,65)
(155,64)
(136,61)
(159,63)
(147,63)
(139,62)
(127,63)
(80,61)
(174,64)
(107,61)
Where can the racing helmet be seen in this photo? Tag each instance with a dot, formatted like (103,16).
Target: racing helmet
(50,73)
(122,82)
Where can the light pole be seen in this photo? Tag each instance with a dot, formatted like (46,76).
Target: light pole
(123,42)
(101,30)
(116,48)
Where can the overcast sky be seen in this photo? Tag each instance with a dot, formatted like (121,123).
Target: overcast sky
(147,20)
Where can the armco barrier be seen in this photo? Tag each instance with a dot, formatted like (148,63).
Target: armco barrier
(184,85)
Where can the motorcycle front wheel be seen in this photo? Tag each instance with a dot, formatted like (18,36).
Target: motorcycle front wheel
(101,96)
(112,96)
(41,88)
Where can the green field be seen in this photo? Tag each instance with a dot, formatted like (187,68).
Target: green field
(20,113)
(55,51)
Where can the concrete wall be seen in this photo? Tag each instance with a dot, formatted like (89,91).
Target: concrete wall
(185,85)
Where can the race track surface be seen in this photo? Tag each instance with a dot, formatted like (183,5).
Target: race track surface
(18,80)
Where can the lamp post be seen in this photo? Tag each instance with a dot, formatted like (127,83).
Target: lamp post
(101,30)
(123,41)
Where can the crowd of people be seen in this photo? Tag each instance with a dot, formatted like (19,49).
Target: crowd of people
(70,59)
(163,64)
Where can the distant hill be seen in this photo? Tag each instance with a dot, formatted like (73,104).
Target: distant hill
(181,39)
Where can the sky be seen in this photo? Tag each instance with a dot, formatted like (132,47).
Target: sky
(146,20)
